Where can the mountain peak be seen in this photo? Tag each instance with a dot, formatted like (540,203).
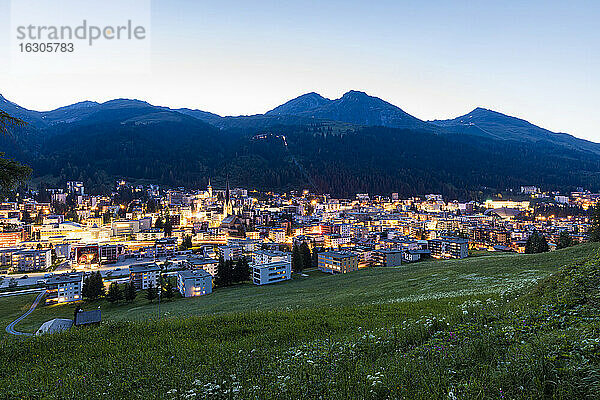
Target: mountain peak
(356,94)
(303,103)
(125,103)
(354,107)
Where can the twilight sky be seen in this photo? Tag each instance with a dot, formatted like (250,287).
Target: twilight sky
(435,59)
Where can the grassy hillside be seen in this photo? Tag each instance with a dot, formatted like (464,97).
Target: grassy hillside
(488,275)
(499,335)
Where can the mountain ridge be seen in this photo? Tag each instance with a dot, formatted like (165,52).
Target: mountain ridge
(133,140)
(505,127)
(353,107)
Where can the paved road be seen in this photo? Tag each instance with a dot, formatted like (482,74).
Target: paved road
(24,291)
(11,327)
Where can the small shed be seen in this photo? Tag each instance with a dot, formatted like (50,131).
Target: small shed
(84,318)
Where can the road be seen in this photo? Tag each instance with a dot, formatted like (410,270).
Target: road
(19,292)
(118,269)
(11,327)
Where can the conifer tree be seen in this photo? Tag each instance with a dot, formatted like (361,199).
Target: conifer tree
(114,292)
(151,292)
(296,259)
(594,230)
(130,292)
(305,256)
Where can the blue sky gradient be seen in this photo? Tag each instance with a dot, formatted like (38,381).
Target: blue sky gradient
(434,59)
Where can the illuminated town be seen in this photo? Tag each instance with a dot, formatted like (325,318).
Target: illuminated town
(139,232)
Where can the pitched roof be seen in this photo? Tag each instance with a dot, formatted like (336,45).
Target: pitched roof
(54,325)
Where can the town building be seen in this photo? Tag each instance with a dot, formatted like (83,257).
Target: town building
(194,283)
(270,256)
(448,247)
(231,252)
(10,238)
(209,265)
(31,260)
(387,258)
(335,262)
(272,272)
(64,288)
(142,276)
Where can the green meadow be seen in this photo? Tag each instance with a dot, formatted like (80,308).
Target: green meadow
(494,326)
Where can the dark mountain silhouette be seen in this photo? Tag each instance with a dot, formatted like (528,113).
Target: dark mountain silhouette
(353,107)
(357,143)
(484,122)
(305,103)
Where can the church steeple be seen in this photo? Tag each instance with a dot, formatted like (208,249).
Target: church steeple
(228,209)
(209,189)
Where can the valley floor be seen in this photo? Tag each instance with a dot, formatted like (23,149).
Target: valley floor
(500,326)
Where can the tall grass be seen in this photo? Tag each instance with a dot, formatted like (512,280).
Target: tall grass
(537,342)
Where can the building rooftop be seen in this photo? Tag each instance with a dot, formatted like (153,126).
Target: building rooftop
(147,267)
(54,325)
(450,239)
(338,254)
(275,264)
(65,278)
(198,273)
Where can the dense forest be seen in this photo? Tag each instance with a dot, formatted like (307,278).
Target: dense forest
(142,144)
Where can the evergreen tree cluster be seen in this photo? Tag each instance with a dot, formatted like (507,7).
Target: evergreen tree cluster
(93,286)
(129,292)
(564,240)
(115,293)
(187,242)
(536,243)
(231,272)
(118,292)
(594,231)
(151,292)
(302,258)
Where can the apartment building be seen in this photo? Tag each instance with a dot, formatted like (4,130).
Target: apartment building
(270,256)
(144,275)
(209,265)
(31,260)
(273,272)
(387,258)
(194,283)
(64,288)
(449,247)
(336,262)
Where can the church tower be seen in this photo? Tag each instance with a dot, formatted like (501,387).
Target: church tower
(209,189)
(228,207)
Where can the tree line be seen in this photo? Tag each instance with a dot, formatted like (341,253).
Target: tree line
(302,257)
(230,272)
(93,289)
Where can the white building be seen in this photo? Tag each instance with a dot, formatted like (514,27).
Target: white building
(194,283)
(31,260)
(149,235)
(64,288)
(125,227)
(278,271)
(231,252)
(267,257)
(277,235)
(209,265)
(561,199)
(334,240)
(144,275)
